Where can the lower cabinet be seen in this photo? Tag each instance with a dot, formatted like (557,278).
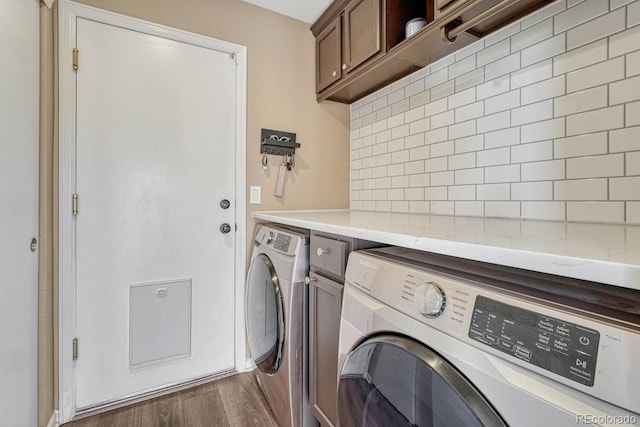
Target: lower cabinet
(325,302)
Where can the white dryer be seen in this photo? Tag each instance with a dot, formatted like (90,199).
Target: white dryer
(429,340)
(276,313)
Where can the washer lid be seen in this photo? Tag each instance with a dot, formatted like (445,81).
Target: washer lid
(391,380)
(264,315)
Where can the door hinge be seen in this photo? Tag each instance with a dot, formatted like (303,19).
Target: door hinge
(75,58)
(75,348)
(74,205)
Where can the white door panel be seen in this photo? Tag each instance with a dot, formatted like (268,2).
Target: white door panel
(155,155)
(19,21)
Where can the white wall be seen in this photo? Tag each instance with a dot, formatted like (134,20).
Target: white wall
(539,120)
(19,74)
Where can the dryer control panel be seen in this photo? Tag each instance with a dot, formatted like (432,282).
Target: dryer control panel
(558,346)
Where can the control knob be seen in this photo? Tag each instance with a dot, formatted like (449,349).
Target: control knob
(430,299)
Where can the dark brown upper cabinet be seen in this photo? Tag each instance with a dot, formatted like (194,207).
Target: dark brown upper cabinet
(361,32)
(367,37)
(328,55)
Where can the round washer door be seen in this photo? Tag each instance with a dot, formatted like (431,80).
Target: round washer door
(394,381)
(265,315)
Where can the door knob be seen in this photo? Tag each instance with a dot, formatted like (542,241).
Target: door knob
(225,228)
(224,204)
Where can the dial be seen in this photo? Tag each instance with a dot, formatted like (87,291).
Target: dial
(430,299)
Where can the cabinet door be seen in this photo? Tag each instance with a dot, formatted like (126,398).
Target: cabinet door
(328,55)
(325,304)
(362,32)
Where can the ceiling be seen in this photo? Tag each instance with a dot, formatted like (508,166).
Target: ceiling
(304,10)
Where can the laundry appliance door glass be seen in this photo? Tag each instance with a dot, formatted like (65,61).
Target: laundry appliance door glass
(265,315)
(394,381)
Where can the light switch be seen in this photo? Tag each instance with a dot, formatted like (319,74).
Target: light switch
(255,194)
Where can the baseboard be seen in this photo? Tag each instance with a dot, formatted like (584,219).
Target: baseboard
(53,421)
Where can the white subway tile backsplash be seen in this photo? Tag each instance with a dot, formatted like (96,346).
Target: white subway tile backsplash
(469,112)
(595,75)
(579,102)
(633,212)
(493,122)
(543,50)
(548,129)
(502,138)
(502,209)
(595,211)
(554,211)
(541,171)
(627,188)
(507,173)
(595,29)
(460,130)
(546,89)
(532,74)
(469,176)
(579,14)
(436,193)
(581,145)
(532,113)
(446,148)
(502,66)
(532,35)
(469,208)
(436,135)
(536,151)
(497,156)
(627,139)
(633,14)
(632,114)
(400,131)
(596,166)
(596,120)
(532,190)
(624,91)
(443,90)
(462,161)
(400,181)
(470,143)
(494,52)
(494,192)
(442,208)
(502,102)
(413,141)
(633,64)
(462,192)
(493,87)
(513,125)
(581,189)
(441,178)
(632,163)
(436,164)
(581,57)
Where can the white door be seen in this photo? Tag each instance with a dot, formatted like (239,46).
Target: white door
(19,59)
(155,156)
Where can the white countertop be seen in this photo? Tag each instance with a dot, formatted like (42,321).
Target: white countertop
(598,252)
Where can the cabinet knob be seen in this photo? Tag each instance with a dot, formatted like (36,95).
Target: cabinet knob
(335,74)
(322,251)
(344,66)
(308,280)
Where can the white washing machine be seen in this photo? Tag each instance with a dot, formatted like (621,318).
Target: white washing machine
(429,340)
(276,313)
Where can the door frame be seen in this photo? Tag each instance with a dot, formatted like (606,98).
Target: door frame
(69,11)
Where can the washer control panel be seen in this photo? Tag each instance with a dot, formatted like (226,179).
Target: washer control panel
(282,242)
(558,346)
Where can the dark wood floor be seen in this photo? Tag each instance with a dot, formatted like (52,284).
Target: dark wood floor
(232,401)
